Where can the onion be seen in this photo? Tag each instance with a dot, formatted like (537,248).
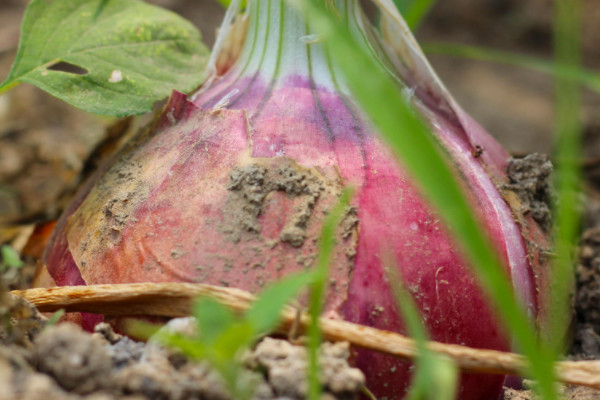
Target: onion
(231,185)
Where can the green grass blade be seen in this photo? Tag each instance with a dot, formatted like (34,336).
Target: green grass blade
(143,330)
(435,377)
(190,347)
(54,318)
(10,258)
(414,11)
(381,99)
(565,71)
(265,313)
(140,330)
(228,345)
(568,175)
(213,319)
(226,3)
(326,245)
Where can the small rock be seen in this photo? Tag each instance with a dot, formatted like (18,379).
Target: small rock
(78,361)
(286,366)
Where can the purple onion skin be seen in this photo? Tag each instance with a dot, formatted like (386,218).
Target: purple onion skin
(236,195)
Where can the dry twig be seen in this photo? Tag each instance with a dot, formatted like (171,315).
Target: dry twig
(174,300)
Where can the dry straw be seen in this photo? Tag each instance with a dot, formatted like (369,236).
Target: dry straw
(175,299)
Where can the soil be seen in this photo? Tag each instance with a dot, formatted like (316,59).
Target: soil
(48,148)
(586,343)
(64,362)
(530,178)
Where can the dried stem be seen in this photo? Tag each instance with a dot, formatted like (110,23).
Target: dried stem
(175,299)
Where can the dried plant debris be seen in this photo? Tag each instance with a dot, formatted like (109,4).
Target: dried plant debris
(76,360)
(64,362)
(529,178)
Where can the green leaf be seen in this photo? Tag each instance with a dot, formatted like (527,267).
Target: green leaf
(213,319)
(265,311)
(10,257)
(125,54)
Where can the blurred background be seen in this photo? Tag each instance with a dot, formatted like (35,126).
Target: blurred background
(45,144)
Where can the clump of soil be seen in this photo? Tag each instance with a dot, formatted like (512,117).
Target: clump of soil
(20,322)
(77,361)
(64,362)
(586,343)
(529,179)
(285,366)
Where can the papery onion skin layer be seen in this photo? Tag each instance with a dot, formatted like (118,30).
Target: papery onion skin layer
(231,187)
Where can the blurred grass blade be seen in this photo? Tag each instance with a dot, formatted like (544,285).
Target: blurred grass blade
(213,318)
(231,341)
(162,334)
(566,71)
(435,377)
(326,245)
(226,3)
(382,100)
(414,11)
(140,330)
(265,312)
(190,347)
(568,175)
(10,257)
(54,318)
